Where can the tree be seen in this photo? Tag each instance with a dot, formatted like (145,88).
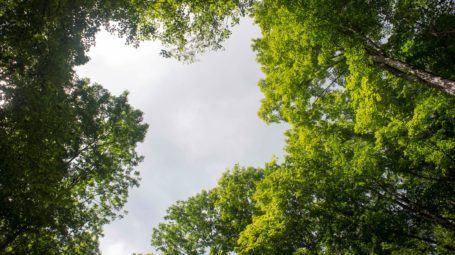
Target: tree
(212,220)
(370,149)
(397,37)
(67,161)
(68,149)
(369,153)
(340,193)
(59,33)
(369,166)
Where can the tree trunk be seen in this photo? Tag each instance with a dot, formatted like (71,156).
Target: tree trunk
(412,73)
(412,207)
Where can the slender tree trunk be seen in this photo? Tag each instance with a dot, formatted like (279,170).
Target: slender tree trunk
(412,207)
(412,73)
(428,240)
(424,214)
(399,68)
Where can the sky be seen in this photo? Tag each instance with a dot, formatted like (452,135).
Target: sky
(203,120)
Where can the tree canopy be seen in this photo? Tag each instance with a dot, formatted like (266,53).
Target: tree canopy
(367,87)
(67,148)
(368,90)
(210,221)
(66,166)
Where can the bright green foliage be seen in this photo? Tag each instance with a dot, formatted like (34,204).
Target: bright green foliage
(189,228)
(341,193)
(212,220)
(310,48)
(369,167)
(279,226)
(67,159)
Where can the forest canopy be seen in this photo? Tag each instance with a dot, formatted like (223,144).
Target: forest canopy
(68,147)
(367,88)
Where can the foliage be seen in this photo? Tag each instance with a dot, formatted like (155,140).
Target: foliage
(212,220)
(369,165)
(61,32)
(306,49)
(190,27)
(67,159)
(67,148)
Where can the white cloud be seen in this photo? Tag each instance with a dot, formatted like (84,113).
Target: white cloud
(113,248)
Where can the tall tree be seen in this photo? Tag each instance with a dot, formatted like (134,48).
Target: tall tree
(212,220)
(339,193)
(66,166)
(412,40)
(373,147)
(68,148)
(369,166)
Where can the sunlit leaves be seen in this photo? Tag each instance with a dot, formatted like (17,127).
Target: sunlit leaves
(212,220)
(369,165)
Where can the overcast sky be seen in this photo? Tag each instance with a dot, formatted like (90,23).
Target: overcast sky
(202,117)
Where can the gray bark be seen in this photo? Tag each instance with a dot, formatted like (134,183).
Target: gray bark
(412,73)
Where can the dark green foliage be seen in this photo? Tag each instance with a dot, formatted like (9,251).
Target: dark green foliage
(67,159)
(67,148)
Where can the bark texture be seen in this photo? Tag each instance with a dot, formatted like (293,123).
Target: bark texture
(412,73)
